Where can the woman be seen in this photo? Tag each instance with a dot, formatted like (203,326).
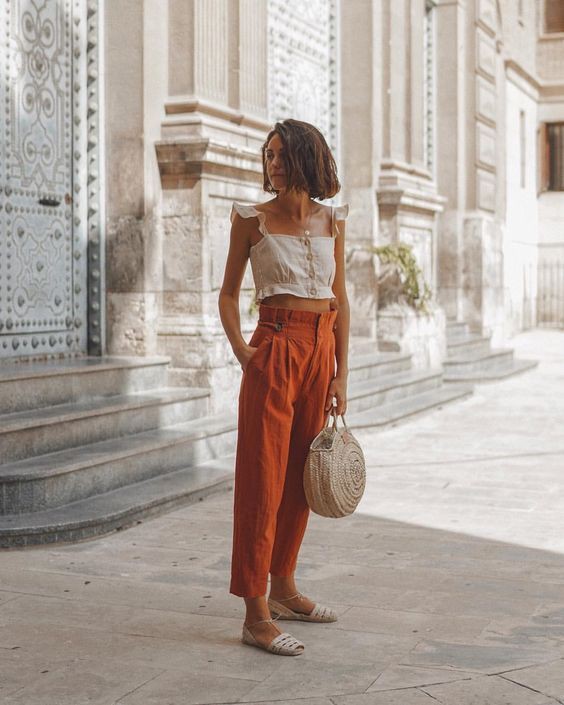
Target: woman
(296,248)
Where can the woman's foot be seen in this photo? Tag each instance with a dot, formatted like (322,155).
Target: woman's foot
(264,632)
(284,643)
(298,603)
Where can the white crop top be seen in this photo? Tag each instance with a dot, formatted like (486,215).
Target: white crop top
(292,264)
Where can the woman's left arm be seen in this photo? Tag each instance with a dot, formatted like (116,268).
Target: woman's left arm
(338,386)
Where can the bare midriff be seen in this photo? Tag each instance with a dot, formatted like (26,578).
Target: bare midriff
(301,303)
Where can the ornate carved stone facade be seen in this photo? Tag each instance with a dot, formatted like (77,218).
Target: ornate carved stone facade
(419,100)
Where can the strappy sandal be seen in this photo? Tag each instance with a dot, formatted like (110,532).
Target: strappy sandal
(319,613)
(284,644)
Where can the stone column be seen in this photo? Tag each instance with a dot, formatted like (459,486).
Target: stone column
(408,198)
(473,108)
(132,261)
(208,155)
(451,149)
(361,153)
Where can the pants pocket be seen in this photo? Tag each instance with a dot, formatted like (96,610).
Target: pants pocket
(260,339)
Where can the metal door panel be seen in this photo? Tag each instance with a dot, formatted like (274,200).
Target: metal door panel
(43,263)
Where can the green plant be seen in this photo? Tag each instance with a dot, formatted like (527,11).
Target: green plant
(415,289)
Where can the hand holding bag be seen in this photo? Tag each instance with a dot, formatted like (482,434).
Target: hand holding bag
(334,471)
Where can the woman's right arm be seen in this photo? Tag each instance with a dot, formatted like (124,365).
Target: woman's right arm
(228,303)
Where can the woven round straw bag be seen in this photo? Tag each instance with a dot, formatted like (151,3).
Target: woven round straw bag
(335,471)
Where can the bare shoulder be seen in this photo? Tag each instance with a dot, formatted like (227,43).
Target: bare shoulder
(265,207)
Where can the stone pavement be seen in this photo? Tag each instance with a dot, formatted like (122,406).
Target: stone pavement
(448,580)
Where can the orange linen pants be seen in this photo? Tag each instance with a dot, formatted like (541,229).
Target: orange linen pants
(281,410)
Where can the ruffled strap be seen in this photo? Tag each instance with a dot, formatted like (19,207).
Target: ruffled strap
(246,211)
(340,213)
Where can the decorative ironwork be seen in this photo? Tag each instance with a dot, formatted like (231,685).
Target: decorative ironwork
(92,175)
(429,63)
(48,174)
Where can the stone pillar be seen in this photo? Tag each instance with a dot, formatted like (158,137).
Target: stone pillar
(407,192)
(361,153)
(208,155)
(451,150)
(132,261)
(472,106)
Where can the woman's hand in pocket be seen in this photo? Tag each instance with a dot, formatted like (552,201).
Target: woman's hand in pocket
(245,355)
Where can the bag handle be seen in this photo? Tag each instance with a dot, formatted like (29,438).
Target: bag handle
(333,411)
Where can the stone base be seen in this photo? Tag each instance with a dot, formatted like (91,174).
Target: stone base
(402,329)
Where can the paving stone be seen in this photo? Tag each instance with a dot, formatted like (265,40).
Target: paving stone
(400,676)
(81,682)
(454,603)
(412,696)
(492,690)
(479,657)
(310,677)
(547,678)
(460,532)
(180,688)
(355,647)
(405,623)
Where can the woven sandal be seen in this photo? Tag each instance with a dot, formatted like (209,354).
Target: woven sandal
(319,613)
(284,644)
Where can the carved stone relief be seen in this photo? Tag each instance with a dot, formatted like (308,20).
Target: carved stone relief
(302,63)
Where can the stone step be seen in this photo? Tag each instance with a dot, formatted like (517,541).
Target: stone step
(467,345)
(73,474)
(495,373)
(34,385)
(404,409)
(456,330)
(476,362)
(366,394)
(28,433)
(118,508)
(377,364)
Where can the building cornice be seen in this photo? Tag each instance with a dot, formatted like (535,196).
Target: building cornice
(512,65)
(183,105)
(543,90)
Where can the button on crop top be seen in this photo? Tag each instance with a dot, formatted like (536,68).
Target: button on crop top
(302,265)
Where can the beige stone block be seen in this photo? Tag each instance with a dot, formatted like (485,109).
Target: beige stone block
(125,176)
(125,249)
(181,304)
(131,324)
(183,252)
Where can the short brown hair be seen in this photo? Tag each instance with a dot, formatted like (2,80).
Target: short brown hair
(308,161)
